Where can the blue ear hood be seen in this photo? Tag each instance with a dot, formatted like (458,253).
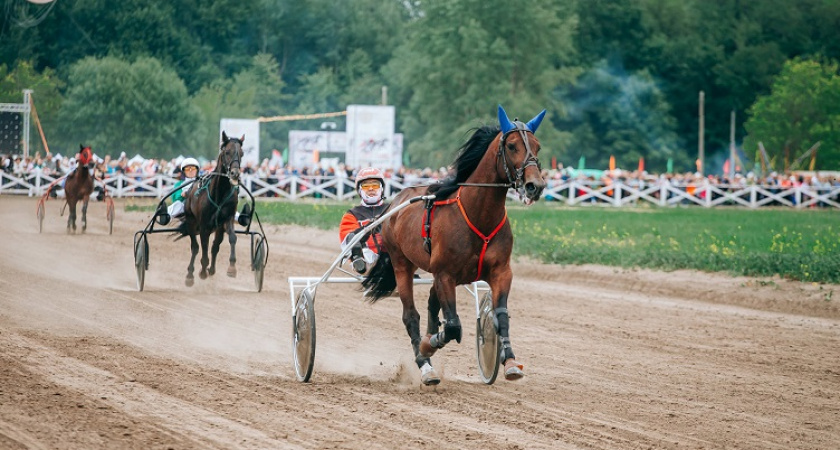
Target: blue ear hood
(504,122)
(534,123)
(506,125)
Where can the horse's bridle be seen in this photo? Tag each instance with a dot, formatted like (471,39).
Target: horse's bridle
(517,180)
(228,165)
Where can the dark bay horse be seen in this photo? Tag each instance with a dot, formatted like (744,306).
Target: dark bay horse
(470,237)
(78,186)
(210,206)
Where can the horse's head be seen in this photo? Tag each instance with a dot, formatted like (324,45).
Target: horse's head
(518,150)
(230,158)
(85,155)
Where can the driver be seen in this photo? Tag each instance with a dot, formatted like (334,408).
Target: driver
(189,167)
(370,183)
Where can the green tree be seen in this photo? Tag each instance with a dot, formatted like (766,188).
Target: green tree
(611,113)
(255,91)
(463,57)
(46,97)
(803,108)
(139,107)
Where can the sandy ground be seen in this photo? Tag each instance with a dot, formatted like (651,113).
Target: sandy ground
(613,359)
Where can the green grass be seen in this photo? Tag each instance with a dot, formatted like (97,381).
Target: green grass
(798,245)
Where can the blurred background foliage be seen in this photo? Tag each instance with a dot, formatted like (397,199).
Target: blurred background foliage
(618,77)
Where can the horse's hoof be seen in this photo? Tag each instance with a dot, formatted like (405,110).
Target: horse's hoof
(513,370)
(426,349)
(190,281)
(231,272)
(203,274)
(211,271)
(428,375)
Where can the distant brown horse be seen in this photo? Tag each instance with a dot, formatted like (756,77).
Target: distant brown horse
(469,237)
(78,186)
(210,206)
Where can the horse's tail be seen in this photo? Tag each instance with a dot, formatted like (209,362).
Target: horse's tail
(380,281)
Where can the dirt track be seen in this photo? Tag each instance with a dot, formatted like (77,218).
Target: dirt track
(614,359)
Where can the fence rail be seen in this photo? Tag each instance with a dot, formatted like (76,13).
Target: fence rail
(572,192)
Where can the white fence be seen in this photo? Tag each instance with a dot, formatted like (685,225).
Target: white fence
(574,193)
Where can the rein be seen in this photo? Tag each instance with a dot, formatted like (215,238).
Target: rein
(504,185)
(204,185)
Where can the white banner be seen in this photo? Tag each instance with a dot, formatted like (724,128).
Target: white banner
(306,148)
(250,128)
(397,155)
(370,136)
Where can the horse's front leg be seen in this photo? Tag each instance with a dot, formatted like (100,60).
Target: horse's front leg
(194,251)
(84,212)
(500,288)
(231,272)
(205,260)
(71,218)
(217,242)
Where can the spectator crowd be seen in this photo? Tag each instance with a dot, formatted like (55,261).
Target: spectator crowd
(273,169)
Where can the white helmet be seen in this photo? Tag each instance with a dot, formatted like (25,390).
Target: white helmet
(189,162)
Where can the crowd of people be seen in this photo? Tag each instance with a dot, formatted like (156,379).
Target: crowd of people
(273,169)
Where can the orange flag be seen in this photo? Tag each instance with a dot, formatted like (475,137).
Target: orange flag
(641,164)
(612,163)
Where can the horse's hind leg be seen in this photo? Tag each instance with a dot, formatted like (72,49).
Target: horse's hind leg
(190,280)
(433,325)
(231,272)
(411,320)
(443,292)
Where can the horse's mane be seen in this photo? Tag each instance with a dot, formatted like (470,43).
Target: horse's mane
(469,155)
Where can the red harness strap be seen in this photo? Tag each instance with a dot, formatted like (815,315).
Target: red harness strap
(475,230)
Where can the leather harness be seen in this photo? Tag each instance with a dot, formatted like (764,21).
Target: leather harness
(427,227)
(515,180)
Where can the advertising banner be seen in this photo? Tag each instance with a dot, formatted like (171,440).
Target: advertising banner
(370,137)
(306,148)
(250,128)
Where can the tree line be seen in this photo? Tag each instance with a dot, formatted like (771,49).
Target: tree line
(618,77)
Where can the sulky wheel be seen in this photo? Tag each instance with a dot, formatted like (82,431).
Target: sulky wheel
(487,343)
(260,258)
(141,260)
(41,214)
(303,335)
(109,215)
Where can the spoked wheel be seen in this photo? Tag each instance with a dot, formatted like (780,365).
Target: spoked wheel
(488,347)
(260,255)
(41,214)
(303,335)
(141,260)
(109,216)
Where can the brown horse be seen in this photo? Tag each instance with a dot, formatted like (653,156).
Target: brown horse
(210,206)
(468,237)
(78,186)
